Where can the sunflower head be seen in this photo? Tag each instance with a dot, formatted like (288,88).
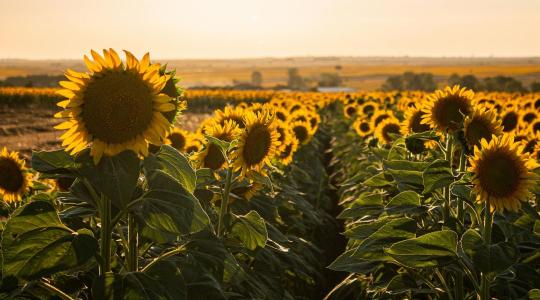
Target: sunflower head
(413,122)
(481,124)
(116,106)
(302,132)
(502,173)
(350,110)
(287,151)
(258,143)
(178,139)
(380,116)
(510,119)
(387,127)
(229,113)
(368,108)
(211,156)
(446,109)
(362,127)
(15,180)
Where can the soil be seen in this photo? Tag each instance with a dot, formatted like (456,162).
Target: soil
(25,129)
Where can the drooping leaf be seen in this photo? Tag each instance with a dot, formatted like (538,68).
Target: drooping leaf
(35,243)
(134,285)
(437,175)
(174,163)
(429,250)
(250,229)
(53,162)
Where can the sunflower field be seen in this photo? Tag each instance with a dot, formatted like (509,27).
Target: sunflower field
(277,195)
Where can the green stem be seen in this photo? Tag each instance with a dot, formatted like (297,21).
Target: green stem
(448,155)
(105,235)
(54,290)
(488,223)
(460,227)
(132,254)
(164,256)
(224,203)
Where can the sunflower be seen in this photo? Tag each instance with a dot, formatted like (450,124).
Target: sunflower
(116,107)
(211,156)
(15,180)
(413,122)
(481,124)
(177,138)
(282,114)
(285,134)
(529,142)
(510,120)
(362,127)
(302,132)
(446,109)
(502,173)
(379,116)
(235,114)
(287,153)
(385,128)
(350,110)
(194,143)
(258,143)
(368,108)
(534,127)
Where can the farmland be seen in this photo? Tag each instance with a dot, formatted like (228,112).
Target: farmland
(358,72)
(122,184)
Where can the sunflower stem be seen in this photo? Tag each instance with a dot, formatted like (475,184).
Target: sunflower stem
(224,202)
(460,227)
(105,235)
(448,155)
(488,223)
(132,253)
(51,288)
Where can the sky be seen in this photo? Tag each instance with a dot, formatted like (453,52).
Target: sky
(56,29)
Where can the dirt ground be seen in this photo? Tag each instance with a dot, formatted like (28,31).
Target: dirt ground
(26,129)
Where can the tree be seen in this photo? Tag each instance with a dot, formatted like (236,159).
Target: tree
(469,81)
(503,84)
(535,87)
(295,81)
(329,80)
(256,78)
(410,81)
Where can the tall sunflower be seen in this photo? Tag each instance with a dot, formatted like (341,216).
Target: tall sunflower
(362,127)
(350,110)
(15,180)
(116,107)
(258,143)
(302,132)
(287,153)
(413,122)
(235,114)
(481,124)
(510,119)
(502,173)
(446,109)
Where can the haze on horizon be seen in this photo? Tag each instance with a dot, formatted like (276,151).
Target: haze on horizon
(63,29)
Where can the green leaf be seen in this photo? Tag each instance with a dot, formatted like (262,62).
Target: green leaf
(35,243)
(53,162)
(174,163)
(366,204)
(378,180)
(388,234)
(407,202)
(534,294)
(134,285)
(495,258)
(430,250)
(169,275)
(250,229)
(406,173)
(349,262)
(115,176)
(169,208)
(437,175)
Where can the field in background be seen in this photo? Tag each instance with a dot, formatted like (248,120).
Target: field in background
(366,73)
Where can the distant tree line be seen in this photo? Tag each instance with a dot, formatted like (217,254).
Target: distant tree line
(32,81)
(426,82)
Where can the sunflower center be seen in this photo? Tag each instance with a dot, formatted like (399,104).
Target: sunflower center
(351,111)
(499,174)
(476,131)
(364,127)
(178,140)
(287,151)
(118,106)
(380,118)
(257,145)
(415,124)
(509,121)
(449,112)
(536,127)
(529,147)
(11,176)
(301,133)
(390,128)
(529,117)
(214,158)
(368,109)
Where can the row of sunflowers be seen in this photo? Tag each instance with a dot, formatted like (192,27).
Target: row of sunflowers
(440,195)
(132,208)
(436,193)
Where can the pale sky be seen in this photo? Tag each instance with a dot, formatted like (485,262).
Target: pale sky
(52,29)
